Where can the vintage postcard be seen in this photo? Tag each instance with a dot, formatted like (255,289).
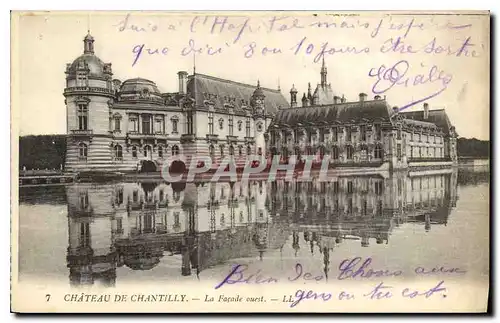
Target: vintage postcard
(250,162)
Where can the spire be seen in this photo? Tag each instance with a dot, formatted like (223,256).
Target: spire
(88,44)
(323,73)
(194,62)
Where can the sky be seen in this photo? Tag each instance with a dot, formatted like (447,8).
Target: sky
(442,60)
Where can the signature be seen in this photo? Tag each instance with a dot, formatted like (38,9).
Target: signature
(398,75)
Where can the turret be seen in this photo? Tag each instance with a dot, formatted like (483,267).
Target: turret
(293,97)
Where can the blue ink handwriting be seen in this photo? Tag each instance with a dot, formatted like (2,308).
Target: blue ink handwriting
(237,276)
(349,269)
(396,75)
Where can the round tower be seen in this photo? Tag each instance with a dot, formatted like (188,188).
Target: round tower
(89,94)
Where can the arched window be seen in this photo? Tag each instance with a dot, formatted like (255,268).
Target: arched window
(379,152)
(160,151)
(175,150)
(350,152)
(335,152)
(134,151)
(82,151)
(118,152)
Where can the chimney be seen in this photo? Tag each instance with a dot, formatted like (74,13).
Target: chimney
(336,100)
(182,82)
(377,97)
(426,111)
(362,97)
(395,109)
(305,101)
(343,99)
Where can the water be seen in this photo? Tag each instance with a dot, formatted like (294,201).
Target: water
(91,234)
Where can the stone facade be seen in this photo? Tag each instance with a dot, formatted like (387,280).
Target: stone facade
(131,125)
(362,133)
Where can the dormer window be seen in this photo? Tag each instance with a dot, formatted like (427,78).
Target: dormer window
(81,79)
(240,125)
(145,93)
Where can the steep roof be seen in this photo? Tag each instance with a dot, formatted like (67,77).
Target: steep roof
(437,117)
(324,94)
(240,93)
(343,112)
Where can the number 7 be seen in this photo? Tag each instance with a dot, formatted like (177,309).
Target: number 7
(48,297)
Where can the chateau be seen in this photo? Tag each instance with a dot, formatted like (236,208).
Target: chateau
(364,133)
(132,125)
(123,126)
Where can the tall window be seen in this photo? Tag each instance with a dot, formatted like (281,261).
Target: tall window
(221,123)
(240,150)
(189,122)
(231,150)
(247,124)
(378,132)
(230,125)
(398,151)
(362,131)
(134,151)
(211,123)
(118,152)
(211,150)
(82,151)
(158,125)
(249,150)
(399,134)
(160,151)
(133,124)
(240,125)
(175,122)
(350,152)
(83,117)
(335,152)
(117,124)
(348,134)
(147,151)
(335,133)
(146,124)
(221,147)
(175,150)
(379,152)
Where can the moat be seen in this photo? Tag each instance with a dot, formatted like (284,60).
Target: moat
(109,234)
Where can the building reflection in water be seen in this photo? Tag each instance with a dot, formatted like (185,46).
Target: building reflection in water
(207,224)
